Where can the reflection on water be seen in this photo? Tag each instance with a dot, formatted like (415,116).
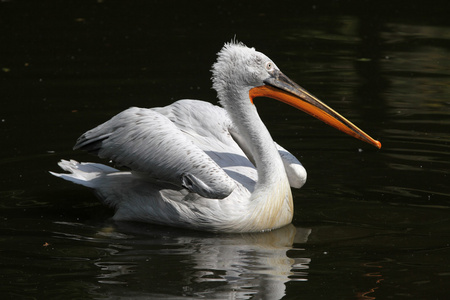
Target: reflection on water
(214,266)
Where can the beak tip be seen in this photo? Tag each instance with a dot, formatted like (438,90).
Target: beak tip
(378,144)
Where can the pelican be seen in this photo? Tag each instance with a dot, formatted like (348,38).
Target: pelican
(196,165)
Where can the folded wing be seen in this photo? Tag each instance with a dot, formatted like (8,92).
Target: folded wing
(147,142)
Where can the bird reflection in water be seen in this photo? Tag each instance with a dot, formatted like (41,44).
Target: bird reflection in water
(231,266)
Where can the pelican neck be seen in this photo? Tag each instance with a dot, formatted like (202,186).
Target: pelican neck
(262,147)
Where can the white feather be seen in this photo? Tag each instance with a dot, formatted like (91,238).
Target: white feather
(194,164)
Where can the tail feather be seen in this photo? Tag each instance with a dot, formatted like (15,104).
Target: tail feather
(82,173)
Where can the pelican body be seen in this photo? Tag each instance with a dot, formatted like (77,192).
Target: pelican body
(200,166)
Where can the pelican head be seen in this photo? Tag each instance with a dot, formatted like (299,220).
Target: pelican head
(240,69)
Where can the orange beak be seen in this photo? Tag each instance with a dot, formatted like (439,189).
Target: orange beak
(281,88)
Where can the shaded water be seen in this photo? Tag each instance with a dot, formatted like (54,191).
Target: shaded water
(368,224)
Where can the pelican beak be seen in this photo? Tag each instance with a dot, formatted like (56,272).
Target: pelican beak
(281,88)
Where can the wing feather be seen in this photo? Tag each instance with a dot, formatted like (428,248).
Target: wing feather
(209,127)
(146,141)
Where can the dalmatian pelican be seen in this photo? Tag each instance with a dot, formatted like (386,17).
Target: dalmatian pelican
(196,165)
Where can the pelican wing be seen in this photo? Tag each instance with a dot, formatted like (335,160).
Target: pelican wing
(295,171)
(148,142)
(210,128)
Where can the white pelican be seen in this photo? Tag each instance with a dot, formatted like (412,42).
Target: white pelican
(200,166)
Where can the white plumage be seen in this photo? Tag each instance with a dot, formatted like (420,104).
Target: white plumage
(197,165)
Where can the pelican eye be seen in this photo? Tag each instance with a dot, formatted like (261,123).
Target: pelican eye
(269,66)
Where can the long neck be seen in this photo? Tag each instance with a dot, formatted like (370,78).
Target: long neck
(267,159)
(271,198)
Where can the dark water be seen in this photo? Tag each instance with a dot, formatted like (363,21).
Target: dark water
(369,224)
